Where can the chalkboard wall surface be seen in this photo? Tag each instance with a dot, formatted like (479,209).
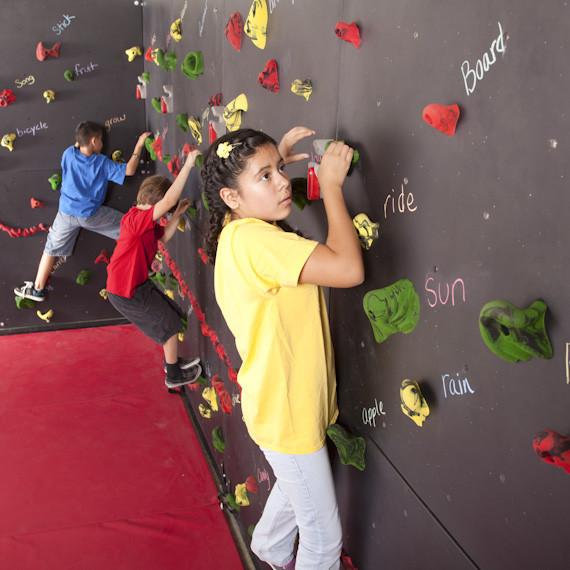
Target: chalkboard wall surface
(467,219)
(93,38)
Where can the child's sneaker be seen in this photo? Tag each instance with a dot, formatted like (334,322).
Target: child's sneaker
(181,377)
(28,291)
(185,364)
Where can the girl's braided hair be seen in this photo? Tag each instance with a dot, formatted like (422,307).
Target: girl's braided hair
(218,173)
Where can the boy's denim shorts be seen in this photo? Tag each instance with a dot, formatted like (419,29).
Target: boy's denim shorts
(63,232)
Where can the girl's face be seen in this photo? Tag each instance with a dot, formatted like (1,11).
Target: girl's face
(264,190)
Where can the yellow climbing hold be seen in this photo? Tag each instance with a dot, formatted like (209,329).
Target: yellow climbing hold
(47,316)
(49,95)
(169,293)
(181,225)
(256,23)
(176,30)
(205,412)
(195,129)
(242,498)
(302,88)
(180,336)
(209,394)
(413,403)
(233,112)
(367,230)
(133,52)
(103,294)
(8,141)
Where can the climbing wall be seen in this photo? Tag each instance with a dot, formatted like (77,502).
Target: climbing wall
(93,37)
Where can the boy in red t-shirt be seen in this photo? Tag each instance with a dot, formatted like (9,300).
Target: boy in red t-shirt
(130,291)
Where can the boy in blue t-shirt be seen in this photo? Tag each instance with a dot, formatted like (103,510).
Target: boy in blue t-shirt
(85,174)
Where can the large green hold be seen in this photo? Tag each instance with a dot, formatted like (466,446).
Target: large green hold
(513,334)
(351,448)
(182,121)
(218,440)
(193,64)
(165,60)
(393,309)
(148,145)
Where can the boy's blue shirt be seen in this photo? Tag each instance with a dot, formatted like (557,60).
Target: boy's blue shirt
(84,181)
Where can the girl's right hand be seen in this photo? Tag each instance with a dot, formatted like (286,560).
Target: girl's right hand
(334,165)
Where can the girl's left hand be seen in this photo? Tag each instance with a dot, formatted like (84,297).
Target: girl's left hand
(289,140)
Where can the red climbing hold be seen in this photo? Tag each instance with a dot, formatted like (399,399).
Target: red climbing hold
(215,100)
(223,395)
(269,77)
(7,97)
(203,256)
(553,447)
(212,135)
(148,54)
(23,232)
(36,203)
(157,147)
(174,165)
(442,117)
(251,484)
(103,257)
(234,30)
(348,32)
(42,53)
(187,149)
(313,187)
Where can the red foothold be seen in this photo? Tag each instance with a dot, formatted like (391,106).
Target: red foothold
(442,117)
(148,54)
(251,484)
(269,77)
(234,30)
(103,257)
(42,53)
(554,448)
(215,100)
(36,203)
(7,97)
(348,32)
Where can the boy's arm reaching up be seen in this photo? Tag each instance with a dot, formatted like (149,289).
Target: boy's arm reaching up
(174,192)
(170,228)
(134,160)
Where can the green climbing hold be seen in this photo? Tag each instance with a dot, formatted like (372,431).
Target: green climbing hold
(205,201)
(513,334)
(355,154)
(83,277)
(193,64)
(55,181)
(218,440)
(148,145)
(351,448)
(165,60)
(166,158)
(231,502)
(155,102)
(23,303)
(199,162)
(68,75)
(393,309)
(192,212)
(145,76)
(299,192)
(182,121)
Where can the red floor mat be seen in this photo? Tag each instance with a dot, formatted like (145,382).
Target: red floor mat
(101,468)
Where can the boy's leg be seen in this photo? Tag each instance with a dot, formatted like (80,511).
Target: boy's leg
(60,242)
(177,375)
(306,481)
(105,221)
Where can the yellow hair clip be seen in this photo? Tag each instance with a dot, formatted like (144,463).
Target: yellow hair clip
(224,149)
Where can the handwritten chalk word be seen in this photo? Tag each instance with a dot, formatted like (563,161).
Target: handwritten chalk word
(402,202)
(455,386)
(82,70)
(63,25)
(567,363)
(114,120)
(263,475)
(369,414)
(482,66)
(236,399)
(30,80)
(32,130)
(438,296)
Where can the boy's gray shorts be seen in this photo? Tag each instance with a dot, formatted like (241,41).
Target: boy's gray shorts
(150,310)
(63,232)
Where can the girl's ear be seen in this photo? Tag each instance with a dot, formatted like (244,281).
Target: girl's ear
(230,197)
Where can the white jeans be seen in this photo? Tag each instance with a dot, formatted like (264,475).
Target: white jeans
(302,500)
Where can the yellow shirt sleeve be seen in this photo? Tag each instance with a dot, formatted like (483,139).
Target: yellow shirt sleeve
(269,257)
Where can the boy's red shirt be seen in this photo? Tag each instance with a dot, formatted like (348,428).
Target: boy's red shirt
(135,250)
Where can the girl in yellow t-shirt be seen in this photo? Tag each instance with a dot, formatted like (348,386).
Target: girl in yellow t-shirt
(266,282)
